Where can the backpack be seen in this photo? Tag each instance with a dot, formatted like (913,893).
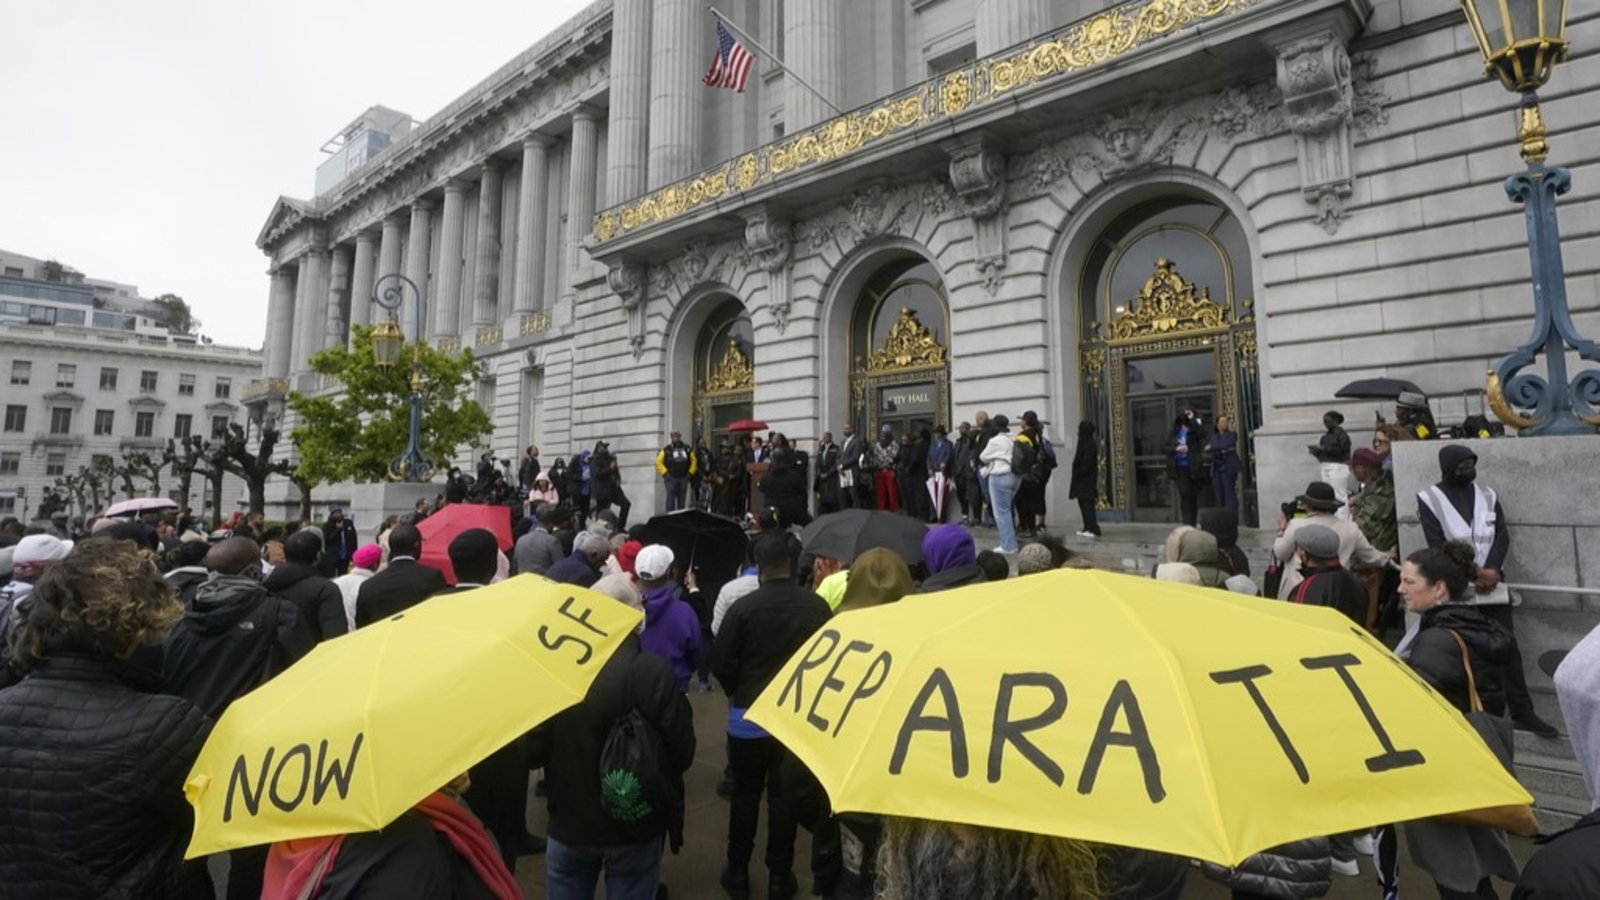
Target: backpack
(634,783)
(1024,460)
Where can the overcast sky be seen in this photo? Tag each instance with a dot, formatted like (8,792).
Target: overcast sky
(145,142)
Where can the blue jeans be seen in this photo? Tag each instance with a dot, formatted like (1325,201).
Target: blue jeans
(988,509)
(633,871)
(677,489)
(1002,489)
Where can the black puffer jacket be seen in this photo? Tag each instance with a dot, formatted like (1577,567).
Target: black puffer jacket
(1296,871)
(91,783)
(318,601)
(1435,655)
(233,639)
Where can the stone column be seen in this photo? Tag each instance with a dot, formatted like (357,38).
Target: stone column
(628,135)
(447,302)
(361,281)
(1004,23)
(813,39)
(310,309)
(532,219)
(338,328)
(676,66)
(389,246)
(486,292)
(580,184)
(280,323)
(417,246)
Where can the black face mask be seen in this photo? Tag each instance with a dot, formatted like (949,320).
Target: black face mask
(1467,477)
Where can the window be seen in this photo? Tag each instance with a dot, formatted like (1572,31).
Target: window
(219,427)
(182,424)
(108,379)
(55,464)
(61,420)
(185,385)
(8,503)
(21,371)
(224,388)
(13,272)
(100,461)
(105,421)
(66,375)
(10,463)
(144,424)
(147,382)
(16,418)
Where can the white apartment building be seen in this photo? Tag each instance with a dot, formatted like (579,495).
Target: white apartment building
(85,380)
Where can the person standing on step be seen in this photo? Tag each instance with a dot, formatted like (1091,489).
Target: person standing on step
(676,464)
(1333,452)
(1084,485)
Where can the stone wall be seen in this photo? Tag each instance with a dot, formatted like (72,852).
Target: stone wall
(1546,487)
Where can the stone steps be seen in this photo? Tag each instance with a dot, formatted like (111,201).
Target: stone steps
(1556,783)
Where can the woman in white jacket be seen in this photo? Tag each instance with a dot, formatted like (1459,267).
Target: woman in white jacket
(996,462)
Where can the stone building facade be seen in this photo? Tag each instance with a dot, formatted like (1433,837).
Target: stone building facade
(1103,212)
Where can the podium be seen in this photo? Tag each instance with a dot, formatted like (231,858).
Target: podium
(757,471)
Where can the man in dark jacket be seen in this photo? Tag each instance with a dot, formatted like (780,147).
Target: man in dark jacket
(1326,582)
(675,464)
(758,635)
(584,838)
(402,585)
(582,568)
(605,476)
(234,638)
(340,541)
(529,470)
(317,599)
(188,571)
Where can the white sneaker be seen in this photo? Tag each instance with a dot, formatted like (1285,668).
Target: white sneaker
(1087,534)
(1004,552)
(1346,867)
(1363,844)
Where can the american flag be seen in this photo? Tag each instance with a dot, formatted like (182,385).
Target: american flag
(731,66)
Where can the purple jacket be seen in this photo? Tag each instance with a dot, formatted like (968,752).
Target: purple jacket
(671,631)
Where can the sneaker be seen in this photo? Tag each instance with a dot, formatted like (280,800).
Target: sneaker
(1087,534)
(1538,726)
(782,886)
(735,883)
(1363,844)
(1346,867)
(1004,552)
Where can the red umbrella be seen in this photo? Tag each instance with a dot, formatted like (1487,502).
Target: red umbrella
(748,425)
(439,529)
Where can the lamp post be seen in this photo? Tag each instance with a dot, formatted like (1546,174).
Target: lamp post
(1521,42)
(390,292)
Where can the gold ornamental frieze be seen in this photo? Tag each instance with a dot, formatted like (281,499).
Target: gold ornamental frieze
(1091,41)
(910,345)
(1168,306)
(734,372)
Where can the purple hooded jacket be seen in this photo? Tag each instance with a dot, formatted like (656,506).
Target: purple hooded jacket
(671,631)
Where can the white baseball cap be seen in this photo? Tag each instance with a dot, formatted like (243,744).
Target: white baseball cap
(653,562)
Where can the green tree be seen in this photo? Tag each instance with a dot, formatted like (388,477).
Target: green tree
(354,434)
(253,467)
(177,315)
(52,270)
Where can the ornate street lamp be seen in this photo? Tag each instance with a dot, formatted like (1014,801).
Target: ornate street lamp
(1521,42)
(390,292)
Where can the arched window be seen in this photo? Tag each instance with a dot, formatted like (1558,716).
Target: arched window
(724,372)
(899,347)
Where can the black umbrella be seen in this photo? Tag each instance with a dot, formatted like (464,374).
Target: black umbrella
(848,534)
(1378,389)
(713,544)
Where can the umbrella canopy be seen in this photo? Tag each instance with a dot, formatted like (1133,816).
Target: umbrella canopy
(439,529)
(847,534)
(711,543)
(368,724)
(1378,389)
(1127,711)
(748,425)
(138,505)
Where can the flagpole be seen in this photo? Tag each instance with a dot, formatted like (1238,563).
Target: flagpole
(769,55)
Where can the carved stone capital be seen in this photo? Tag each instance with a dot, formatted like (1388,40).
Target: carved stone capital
(978,175)
(627,281)
(769,240)
(1314,76)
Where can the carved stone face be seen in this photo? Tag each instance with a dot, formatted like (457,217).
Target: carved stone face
(1125,141)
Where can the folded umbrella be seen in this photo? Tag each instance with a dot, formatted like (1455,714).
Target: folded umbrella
(439,529)
(849,533)
(1125,711)
(366,725)
(938,490)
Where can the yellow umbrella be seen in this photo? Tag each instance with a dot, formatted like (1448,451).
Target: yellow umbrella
(1126,711)
(366,725)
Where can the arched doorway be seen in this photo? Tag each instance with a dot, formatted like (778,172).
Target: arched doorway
(1165,305)
(724,372)
(899,345)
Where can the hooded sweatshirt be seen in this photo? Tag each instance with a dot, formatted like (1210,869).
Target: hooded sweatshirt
(234,638)
(1462,495)
(1199,549)
(1578,688)
(671,631)
(951,556)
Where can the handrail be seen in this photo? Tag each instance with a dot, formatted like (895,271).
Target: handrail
(1553,589)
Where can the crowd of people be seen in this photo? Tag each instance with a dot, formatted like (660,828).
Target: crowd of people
(123,643)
